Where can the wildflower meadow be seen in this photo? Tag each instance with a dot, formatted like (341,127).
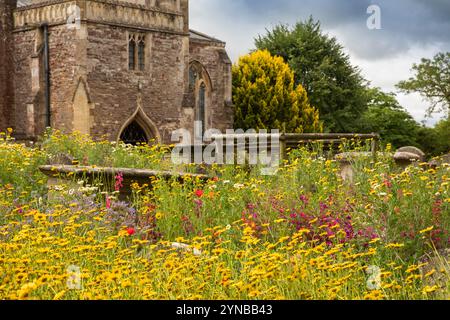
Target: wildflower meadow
(301,234)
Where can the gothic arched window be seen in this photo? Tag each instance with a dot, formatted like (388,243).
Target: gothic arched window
(141,53)
(136,52)
(201,109)
(200,87)
(131,53)
(192,78)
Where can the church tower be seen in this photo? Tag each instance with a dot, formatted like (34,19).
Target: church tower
(6,64)
(115,69)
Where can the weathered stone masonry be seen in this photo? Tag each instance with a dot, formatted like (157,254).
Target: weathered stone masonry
(92,87)
(6,65)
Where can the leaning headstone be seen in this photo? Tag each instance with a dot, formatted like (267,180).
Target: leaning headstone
(60,159)
(346,161)
(446,159)
(439,161)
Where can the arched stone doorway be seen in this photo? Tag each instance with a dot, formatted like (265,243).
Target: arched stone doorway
(134,134)
(139,129)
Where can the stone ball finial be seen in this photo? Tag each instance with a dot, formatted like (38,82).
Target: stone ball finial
(408,155)
(413,150)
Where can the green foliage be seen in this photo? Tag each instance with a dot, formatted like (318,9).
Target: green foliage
(396,126)
(386,117)
(320,65)
(266,97)
(435,141)
(443,132)
(432,81)
(19,169)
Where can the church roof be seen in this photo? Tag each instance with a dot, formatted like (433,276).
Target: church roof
(195,35)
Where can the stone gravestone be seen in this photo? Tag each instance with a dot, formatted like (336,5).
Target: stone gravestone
(347,160)
(60,159)
(440,161)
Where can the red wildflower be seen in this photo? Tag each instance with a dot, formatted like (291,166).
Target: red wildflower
(388,183)
(199,193)
(119,181)
(108,203)
(131,231)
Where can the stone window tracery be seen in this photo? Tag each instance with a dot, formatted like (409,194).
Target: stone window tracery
(193,75)
(200,88)
(136,52)
(201,111)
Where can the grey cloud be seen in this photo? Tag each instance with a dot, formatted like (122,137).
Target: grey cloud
(405,23)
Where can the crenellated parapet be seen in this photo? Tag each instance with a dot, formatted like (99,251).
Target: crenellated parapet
(134,14)
(165,5)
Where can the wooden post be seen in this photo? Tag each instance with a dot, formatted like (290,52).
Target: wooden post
(375,146)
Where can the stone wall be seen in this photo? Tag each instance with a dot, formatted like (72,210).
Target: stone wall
(212,55)
(29,79)
(117,92)
(6,65)
(65,65)
(24,43)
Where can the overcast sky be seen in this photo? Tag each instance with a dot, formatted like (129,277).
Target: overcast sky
(411,29)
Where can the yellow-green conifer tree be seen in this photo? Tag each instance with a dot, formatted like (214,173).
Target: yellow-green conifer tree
(266,97)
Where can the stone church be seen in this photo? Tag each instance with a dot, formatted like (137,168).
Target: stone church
(128,70)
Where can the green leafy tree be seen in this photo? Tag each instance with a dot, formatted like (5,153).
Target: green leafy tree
(387,117)
(436,140)
(266,97)
(432,81)
(320,65)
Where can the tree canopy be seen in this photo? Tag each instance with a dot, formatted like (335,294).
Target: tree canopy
(321,66)
(431,80)
(266,96)
(388,118)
